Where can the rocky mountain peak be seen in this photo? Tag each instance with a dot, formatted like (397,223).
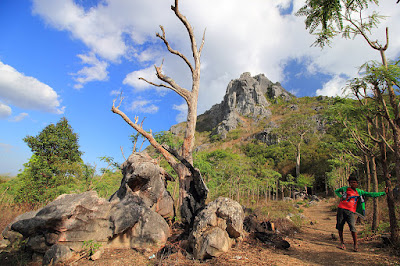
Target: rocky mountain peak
(246,96)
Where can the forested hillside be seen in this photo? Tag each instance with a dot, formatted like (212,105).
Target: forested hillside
(296,144)
(293,144)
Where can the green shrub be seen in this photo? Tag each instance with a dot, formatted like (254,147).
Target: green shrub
(90,247)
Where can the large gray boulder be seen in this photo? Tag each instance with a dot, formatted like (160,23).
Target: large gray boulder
(136,226)
(216,228)
(69,219)
(74,219)
(132,218)
(57,254)
(144,182)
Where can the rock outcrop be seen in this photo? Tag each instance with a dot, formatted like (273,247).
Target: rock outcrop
(216,228)
(138,227)
(132,218)
(267,135)
(144,183)
(245,97)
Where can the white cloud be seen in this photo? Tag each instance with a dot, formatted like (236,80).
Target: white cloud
(100,31)
(27,92)
(183,110)
(143,106)
(19,117)
(333,87)
(96,71)
(249,36)
(5,111)
(132,79)
(149,54)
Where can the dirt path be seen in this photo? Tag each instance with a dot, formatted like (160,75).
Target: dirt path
(312,246)
(316,246)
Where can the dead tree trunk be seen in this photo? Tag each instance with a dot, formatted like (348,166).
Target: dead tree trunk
(192,189)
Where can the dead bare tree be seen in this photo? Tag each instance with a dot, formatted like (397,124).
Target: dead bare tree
(192,189)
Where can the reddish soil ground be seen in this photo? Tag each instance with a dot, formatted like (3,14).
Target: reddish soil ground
(313,245)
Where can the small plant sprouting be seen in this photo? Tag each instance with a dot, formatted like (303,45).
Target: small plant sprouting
(91,246)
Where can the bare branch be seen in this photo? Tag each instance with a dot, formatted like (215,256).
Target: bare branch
(370,122)
(162,37)
(354,156)
(141,123)
(189,29)
(387,39)
(387,144)
(202,42)
(356,138)
(141,145)
(122,151)
(170,159)
(157,85)
(120,101)
(174,86)
(185,94)
(361,31)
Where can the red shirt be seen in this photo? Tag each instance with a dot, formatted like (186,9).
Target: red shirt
(349,200)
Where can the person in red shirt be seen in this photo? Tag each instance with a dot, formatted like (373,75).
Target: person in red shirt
(350,203)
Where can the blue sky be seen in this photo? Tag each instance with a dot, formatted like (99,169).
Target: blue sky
(71,58)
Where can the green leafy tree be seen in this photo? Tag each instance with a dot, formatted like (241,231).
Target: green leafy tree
(167,138)
(56,143)
(329,18)
(305,181)
(347,17)
(295,129)
(54,165)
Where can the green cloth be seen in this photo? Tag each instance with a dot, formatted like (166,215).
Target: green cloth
(360,203)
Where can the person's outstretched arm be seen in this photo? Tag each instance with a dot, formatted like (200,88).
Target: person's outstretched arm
(373,194)
(339,191)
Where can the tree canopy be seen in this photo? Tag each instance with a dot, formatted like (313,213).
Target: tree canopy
(56,143)
(54,165)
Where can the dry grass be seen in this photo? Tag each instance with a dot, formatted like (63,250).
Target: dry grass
(10,211)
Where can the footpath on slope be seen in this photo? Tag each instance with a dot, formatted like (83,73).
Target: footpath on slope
(318,242)
(313,245)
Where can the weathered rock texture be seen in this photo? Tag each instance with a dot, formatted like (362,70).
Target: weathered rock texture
(135,226)
(216,228)
(267,135)
(245,97)
(69,218)
(131,219)
(57,254)
(144,183)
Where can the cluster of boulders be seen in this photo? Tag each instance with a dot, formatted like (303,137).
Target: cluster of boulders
(304,196)
(216,228)
(136,216)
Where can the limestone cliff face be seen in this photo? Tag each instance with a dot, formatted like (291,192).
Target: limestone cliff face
(245,97)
